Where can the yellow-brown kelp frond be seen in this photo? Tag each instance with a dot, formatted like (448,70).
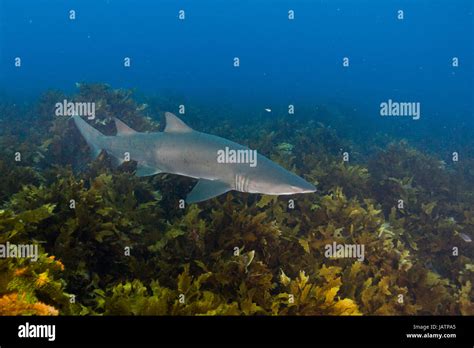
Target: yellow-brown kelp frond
(126,245)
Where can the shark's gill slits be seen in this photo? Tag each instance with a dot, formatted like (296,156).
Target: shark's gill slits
(246,184)
(241,182)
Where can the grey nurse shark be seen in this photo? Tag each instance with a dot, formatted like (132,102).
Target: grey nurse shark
(181,150)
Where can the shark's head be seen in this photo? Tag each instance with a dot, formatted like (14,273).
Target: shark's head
(279,183)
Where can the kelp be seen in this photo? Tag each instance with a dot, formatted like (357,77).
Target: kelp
(27,285)
(14,304)
(123,245)
(15,177)
(305,298)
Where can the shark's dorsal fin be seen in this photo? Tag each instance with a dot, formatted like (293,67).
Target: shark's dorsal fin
(175,125)
(122,128)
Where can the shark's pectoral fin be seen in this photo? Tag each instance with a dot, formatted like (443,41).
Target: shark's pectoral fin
(207,189)
(94,151)
(143,170)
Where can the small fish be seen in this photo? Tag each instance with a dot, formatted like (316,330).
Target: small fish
(268,110)
(142,107)
(126,96)
(465,237)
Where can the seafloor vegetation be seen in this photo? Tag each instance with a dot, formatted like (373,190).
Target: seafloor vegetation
(238,253)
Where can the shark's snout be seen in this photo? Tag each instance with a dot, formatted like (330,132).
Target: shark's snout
(305,188)
(291,185)
(299,185)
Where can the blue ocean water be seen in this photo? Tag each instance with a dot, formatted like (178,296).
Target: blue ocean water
(282,61)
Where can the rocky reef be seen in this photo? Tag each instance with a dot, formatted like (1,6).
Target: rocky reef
(111,243)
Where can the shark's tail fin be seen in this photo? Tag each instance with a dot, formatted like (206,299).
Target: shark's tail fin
(93,137)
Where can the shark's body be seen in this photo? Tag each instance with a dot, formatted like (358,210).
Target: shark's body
(184,151)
